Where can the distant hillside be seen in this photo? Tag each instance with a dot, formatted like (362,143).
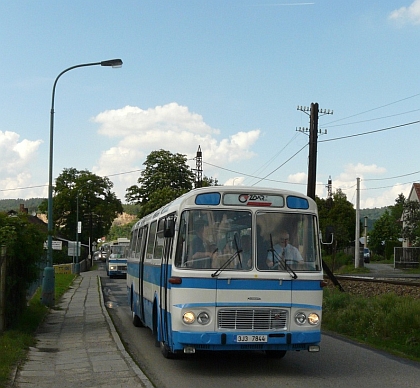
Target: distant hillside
(372,216)
(14,204)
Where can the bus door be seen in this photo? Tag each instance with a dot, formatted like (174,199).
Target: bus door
(164,246)
(141,252)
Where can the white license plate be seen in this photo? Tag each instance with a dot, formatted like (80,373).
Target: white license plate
(251,338)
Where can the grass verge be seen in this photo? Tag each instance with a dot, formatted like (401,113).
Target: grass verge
(387,322)
(15,341)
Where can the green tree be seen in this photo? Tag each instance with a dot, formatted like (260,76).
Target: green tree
(117,231)
(87,197)
(24,244)
(411,218)
(339,213)
(210,181)
(166,177)
(385,229)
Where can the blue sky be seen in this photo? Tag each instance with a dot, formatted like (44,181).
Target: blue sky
(225,75)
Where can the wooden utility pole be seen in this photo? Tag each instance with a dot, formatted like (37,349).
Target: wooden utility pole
(313,142)
(313,145)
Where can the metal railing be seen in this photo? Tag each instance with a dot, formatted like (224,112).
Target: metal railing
(406,257)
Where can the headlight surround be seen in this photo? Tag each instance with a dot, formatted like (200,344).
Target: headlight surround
(300,318)
(112,267)
(313,319)
(203,318)
(188,317)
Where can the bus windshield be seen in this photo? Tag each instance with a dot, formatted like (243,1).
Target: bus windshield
(242,241)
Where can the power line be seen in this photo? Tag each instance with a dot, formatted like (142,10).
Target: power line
(369,120)
(370,132)
(371,110)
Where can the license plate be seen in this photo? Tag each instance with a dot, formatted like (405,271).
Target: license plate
(251,338)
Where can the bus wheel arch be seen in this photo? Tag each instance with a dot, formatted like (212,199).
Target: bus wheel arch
(134,317)
(155,323)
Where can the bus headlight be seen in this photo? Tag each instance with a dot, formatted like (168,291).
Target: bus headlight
(313,319)
(203,318)
(112,267)
(188,317)
(300,318)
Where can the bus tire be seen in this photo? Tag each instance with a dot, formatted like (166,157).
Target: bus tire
(166,351)
(275,353)
(135,319)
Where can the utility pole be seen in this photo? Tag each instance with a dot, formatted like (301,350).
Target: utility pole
(329,193)
(199,168)
(313,143)
(358,262)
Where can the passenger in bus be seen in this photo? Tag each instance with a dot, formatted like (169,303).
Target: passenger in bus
(245,255)
(201,257)
(283,252)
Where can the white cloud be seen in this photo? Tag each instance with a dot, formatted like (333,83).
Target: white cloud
(171,127)
(407,15)
(16,155)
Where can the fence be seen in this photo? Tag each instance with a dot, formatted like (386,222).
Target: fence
(406,257)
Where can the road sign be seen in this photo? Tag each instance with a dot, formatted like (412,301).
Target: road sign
(72,249)
(56,245)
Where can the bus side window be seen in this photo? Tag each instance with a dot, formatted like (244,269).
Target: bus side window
(180,246)
(151,241)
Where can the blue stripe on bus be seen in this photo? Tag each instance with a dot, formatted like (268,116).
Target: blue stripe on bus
(152,275)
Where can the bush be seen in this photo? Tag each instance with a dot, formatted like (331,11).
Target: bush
(24,243)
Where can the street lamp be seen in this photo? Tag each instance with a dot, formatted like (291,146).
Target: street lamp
(78,230)
(48,282)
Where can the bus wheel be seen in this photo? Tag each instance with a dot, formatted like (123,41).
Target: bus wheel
(166,351)
(135,319)
(275,353)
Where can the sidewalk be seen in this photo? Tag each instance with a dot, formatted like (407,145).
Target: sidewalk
(78,346)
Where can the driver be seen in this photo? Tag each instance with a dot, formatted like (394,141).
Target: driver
(283,251)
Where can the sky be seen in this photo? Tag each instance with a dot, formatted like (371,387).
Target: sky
(232,77)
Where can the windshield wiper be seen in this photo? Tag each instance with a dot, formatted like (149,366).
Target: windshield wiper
(277,261)
(228,261)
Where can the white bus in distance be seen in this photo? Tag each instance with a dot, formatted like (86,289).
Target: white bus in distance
(229,268)
(116,258)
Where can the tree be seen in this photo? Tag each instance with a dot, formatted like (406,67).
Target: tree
(87,197)
(165,178)
(341,215)
(24,244)
(411,219)
(387,229)
(210,181)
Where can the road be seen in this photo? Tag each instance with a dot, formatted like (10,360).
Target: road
(340,364)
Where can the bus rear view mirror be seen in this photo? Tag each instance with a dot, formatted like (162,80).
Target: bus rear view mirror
(329,235)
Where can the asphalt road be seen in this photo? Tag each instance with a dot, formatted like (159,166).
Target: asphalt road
(340,364)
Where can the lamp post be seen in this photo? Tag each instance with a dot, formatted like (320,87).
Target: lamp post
(78,230)
(48,282)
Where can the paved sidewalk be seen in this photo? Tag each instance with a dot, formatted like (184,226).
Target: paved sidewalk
(78,346)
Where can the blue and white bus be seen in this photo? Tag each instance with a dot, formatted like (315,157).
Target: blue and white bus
(233,295)
(116,257)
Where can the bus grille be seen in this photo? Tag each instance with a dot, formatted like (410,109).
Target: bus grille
(252,319)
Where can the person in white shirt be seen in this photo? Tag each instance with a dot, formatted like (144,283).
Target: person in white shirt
(283,252)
